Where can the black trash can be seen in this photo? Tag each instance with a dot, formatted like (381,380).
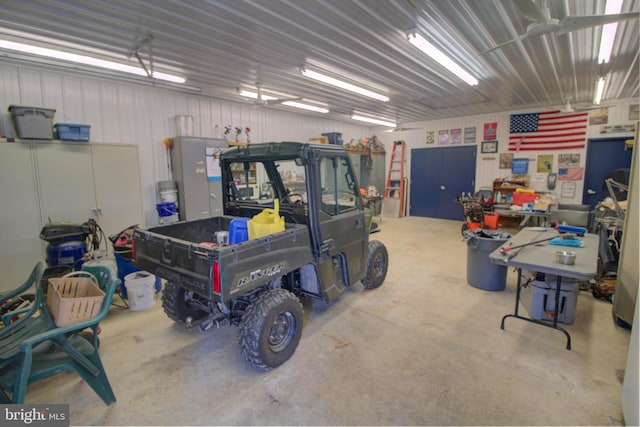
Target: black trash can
(481,273)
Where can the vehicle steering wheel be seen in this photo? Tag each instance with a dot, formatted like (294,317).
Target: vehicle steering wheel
(288,198)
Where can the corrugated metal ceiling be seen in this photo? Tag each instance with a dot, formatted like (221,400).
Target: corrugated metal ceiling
(221,45)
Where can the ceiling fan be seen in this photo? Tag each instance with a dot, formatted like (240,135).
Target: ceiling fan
(573,108)
(543,23)
(261,99)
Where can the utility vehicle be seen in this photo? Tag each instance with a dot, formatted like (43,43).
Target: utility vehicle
(256,283)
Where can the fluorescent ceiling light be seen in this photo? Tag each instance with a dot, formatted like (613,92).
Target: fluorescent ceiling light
(609,32)
(598,91)
(86,60)
(372,120)
(421,43)
(294,104)
(254,95)
(303,106)
(343,85)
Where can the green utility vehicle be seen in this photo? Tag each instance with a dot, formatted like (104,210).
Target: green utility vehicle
(255,284)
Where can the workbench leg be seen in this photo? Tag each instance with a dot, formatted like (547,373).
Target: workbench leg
(555,312)
(515,311)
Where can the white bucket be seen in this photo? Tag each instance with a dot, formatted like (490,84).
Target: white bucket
(140,290)
(168,192)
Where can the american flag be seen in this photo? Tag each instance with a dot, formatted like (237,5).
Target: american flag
(570,174)
(550,130)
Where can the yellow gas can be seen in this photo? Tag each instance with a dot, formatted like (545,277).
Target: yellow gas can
(266,222)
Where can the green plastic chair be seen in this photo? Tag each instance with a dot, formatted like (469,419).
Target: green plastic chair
(33,347)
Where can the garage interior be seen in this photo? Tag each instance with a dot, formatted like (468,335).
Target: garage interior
(425,348)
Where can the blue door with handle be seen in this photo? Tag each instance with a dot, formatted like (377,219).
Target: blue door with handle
(604,155)
(438,176)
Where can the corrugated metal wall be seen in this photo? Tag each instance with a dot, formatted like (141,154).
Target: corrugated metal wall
(119,112)
(487,169)
(124,113)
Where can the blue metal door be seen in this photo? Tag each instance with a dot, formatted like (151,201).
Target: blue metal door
(438,175)
(604,155)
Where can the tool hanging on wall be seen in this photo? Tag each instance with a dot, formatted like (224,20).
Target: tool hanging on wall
(168,144)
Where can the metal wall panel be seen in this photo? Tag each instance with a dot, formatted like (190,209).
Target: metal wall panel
(119,112)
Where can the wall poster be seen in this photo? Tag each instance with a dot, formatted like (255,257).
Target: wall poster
(568,160)
(490,131)
(545,163)
(505,160)
(599,116)
(570,174)
(443,137)
(568,189)
(430,137)
(489,147)
(470,135)
(456,136)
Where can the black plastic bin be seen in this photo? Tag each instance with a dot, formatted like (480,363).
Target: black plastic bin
(481,273)
(52,273)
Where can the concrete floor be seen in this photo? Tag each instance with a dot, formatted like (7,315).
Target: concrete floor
(424,349)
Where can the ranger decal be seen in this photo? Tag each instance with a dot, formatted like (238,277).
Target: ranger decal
(261,273)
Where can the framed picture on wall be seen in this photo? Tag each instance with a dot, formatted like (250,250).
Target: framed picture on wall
(489,146)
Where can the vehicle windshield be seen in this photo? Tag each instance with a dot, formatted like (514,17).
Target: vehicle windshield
(253,183)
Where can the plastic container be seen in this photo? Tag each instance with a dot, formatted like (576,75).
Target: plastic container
(481,273)
(32,122)
(140,290)
(166,209)
(53,272)
(266,222)
(126,267)
(168,192)
(238,231)
(334,137)
(71,132)
(74,298)
(491,220)
(539,298)
(167,212)
(522,198)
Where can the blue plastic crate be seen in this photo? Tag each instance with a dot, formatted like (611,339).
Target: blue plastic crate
(71,132)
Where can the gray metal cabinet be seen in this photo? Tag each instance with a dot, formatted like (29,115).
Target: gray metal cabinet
(78,181)
(62,181)
(20,247)
(196,170)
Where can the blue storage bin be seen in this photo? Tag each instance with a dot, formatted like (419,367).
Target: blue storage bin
(126,267)
(239,230)
(71,132)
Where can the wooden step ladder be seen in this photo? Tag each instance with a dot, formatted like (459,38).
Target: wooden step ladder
(394,192)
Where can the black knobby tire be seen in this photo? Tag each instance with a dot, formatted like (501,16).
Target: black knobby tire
(377,264)
(175,306)
(270,329)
